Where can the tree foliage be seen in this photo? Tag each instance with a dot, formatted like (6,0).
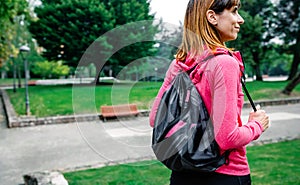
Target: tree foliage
(67,28)
(250,43)
(276,63)
(254,37)
(171,38)
(51,69)
(287,27)
(9,10)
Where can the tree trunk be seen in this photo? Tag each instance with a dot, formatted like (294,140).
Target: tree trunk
(98,73)
(257,66)
(291,85)
(19,76)
(296,60)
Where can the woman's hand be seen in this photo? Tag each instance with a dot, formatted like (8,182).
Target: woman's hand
(261,117)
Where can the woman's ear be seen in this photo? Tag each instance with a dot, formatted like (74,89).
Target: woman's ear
(212,17)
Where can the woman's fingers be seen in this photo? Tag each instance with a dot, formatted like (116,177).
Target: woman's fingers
(258,107)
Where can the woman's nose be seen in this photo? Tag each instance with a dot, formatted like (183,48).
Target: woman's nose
(240,19)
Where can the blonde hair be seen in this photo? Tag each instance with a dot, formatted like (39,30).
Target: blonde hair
(197,31)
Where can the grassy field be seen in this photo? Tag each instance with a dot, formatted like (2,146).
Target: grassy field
(63,100)
(9,81)
(271,164)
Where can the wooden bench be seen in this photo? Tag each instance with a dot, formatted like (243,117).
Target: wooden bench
(119,110)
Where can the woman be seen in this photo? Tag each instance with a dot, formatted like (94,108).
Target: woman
(208,25)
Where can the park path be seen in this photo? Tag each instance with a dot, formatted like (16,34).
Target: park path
(91,144)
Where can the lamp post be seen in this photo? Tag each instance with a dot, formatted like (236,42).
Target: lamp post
(14,73)
(26,49)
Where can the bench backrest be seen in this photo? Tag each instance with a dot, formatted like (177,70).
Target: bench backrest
(115,110)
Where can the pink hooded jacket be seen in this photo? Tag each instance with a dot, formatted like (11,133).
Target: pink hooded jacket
(218,81)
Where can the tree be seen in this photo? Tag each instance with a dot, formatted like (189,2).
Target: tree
(130,11)
(254,37)
(9,10)
(67,28)
(171,38)
(286,27)
(275,63)
(51,69)
(250,43)
(292,84)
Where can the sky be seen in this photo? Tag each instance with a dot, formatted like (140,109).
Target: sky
(171,11)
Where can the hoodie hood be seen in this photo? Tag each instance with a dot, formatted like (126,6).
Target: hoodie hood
(196,64)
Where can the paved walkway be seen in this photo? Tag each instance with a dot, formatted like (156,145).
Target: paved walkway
(69,146)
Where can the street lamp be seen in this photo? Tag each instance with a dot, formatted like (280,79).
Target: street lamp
(26,49)
(14,73)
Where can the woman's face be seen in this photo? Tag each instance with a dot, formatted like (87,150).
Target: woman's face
(228,23)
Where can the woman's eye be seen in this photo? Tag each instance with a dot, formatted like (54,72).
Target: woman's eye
(235,10)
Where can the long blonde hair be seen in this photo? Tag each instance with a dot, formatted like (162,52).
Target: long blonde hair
(197,31)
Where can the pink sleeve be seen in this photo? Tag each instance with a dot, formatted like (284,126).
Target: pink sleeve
(172,71)
(225,109)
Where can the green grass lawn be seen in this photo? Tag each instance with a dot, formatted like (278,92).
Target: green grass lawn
(63,100)
(275,164)
(9,81)
(66,99)
(271,164)
(269,90)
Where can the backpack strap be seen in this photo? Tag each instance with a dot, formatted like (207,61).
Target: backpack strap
(205,59)
(243,77)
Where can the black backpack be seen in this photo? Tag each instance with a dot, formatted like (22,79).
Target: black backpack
(192,144)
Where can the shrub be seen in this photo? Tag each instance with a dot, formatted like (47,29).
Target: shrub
(50,69)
